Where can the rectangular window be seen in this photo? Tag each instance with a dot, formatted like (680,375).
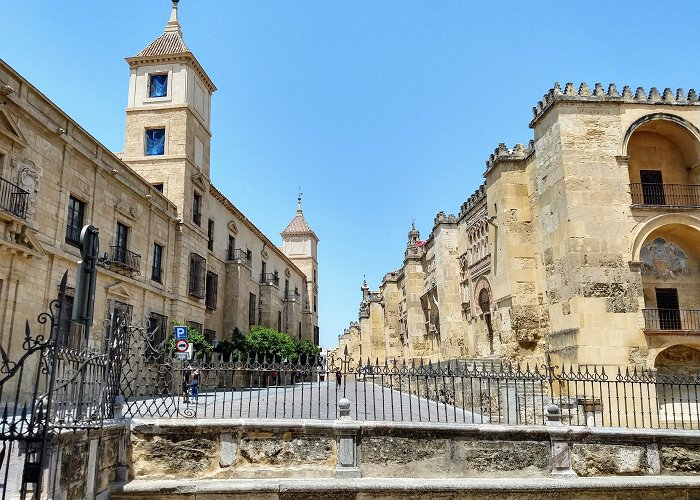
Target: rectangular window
(249,256)
(196,277)
(121,240)
(157,334)
(252,299)
(158,186)
(212,290)
(300,330)
(195,326)
(157,269)
(197,208)
(64,326)
(155,141)
(279,321)
(667,304)
(158,86)
(76,213)
(210,234)
(231,247)
(315,304)
(652,187)
(209,335)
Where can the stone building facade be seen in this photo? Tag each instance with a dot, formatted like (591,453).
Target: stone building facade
(173,247)
(582,244)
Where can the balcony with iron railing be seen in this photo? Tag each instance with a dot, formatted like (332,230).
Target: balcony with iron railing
(269,279)
(238,254)
(125,261)
(672,321)
(665,195)
(13,199)
(292,295)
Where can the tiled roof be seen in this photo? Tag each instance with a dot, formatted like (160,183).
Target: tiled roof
(166,44)
(298,226)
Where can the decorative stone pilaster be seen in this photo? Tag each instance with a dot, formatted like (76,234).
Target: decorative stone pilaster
(561,450)
(346,431)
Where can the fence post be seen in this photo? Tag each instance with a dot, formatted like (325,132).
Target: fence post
(346,431)
(560,458)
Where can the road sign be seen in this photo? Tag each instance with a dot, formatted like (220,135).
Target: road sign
(182,345)
(186,354)
(180,333)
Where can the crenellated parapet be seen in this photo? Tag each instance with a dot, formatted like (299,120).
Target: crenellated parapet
(502,153)
(442,218)
(474,200)
(612,94)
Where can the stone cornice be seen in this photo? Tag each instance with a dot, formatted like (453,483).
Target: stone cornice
(186,57)
(220,197)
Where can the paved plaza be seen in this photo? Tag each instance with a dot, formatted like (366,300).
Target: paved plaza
(310,400)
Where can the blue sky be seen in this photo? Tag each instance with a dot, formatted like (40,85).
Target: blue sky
(383,111)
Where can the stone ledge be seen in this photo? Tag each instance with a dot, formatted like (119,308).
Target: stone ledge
(484,431)
(405,485)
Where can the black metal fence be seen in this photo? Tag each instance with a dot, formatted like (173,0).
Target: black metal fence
(677,195)
(13,199)
(47,386)
(456,391)
(680,320)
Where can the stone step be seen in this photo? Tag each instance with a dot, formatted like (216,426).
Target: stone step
(571,488)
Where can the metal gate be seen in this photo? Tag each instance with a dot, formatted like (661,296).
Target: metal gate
(64,380)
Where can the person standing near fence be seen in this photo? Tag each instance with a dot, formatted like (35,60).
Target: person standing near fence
(194,385)
(338,377)
(186,377)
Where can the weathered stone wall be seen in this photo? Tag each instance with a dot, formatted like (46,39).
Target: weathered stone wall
(83,464)
(238,449)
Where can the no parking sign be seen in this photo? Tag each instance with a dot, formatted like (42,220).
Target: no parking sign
(182,345)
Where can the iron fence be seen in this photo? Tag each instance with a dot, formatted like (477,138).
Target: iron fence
(684,321)
(13,199)
(125,259)
(49,386)
(451,392)
(676,195)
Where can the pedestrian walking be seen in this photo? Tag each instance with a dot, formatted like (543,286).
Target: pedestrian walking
(338,377)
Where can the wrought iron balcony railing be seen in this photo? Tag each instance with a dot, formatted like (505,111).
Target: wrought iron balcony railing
(123,259)
(665,195)
(13,199)
(238,254)
(292,295)
(269,279)
(672,321)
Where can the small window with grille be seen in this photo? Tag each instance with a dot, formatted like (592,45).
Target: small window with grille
(212,290)
(196,282)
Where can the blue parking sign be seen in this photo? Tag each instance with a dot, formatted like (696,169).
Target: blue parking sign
(180,333)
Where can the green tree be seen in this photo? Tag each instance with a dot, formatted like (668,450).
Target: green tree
(308,352)
(233,348)
(269,343)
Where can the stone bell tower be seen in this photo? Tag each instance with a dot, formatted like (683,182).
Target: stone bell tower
(168,120)
(300,244)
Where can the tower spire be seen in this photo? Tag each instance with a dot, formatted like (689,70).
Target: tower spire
(173,25)
(299,201)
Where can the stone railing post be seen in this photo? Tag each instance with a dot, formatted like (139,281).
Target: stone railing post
(346,431)
(118,405)
(560,458)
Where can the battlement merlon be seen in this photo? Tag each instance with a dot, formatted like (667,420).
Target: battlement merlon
(520,152)
(473,201)
(584,94)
